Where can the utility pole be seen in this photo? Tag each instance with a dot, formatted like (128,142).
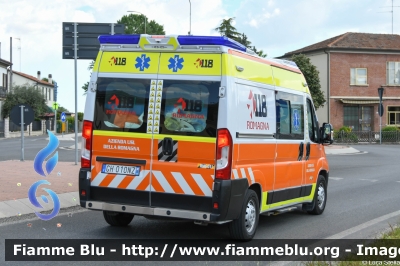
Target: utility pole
(11,73)
(389,11)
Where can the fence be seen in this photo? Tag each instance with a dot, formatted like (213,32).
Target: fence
(366,137)
(69,126)
(14,128)
(37,126)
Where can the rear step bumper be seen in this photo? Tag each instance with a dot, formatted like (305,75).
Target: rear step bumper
(173,213)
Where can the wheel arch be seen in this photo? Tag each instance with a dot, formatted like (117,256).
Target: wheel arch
(256,187)
(325,174)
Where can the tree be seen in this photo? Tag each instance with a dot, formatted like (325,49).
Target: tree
(47,80)
(85,87)
(226,29)
(243,40)
(260,53)
(134,24)
(25,94)
(311,74)
(62,109)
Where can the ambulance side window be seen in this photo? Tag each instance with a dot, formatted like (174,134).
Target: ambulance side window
(312,122)
(289,116)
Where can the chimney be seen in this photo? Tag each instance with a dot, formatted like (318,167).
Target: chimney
(38,75)
(50,79)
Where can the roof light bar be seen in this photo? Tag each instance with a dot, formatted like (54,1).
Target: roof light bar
(211,40)
(119,39)
(182,39)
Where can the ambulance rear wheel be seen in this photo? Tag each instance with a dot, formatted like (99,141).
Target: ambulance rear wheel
(320,197)
(117,219)
(245,227)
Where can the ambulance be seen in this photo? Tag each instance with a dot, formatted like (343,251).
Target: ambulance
(199,128)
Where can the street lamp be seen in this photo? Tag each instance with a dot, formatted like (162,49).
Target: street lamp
(190,18)
(380,111)
(145,18)
(20,48)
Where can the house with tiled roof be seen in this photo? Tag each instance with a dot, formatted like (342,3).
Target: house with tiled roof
(46,88)
(352,66)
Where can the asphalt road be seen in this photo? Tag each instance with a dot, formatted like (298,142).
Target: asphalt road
(363,200)
(10,149)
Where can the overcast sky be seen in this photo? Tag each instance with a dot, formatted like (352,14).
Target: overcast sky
(276,26)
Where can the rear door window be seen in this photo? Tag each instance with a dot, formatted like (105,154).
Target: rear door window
(189,108)
(121,104)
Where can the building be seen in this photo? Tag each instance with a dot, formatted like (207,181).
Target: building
(46,88)
(352,67)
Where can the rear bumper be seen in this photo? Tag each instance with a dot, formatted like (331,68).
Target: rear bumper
(224,205)
(165,212)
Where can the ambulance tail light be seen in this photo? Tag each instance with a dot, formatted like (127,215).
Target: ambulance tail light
(86,149)
(224,154)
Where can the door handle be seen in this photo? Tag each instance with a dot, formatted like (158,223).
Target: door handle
(167,146)
(308,148)
(301,150)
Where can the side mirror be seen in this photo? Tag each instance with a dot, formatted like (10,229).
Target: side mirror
(326,134)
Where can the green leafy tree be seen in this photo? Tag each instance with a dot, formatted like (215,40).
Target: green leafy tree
(25,94)
(311,74)
(85,87)
(80,116)
(244,40)
(227,29)
(134,24)
(47,80)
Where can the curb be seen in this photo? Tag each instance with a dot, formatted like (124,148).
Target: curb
(20,207)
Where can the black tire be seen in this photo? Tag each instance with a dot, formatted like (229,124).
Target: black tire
(117,219)
(320,197)
(245,227)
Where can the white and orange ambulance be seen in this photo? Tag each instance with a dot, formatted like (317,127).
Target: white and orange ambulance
(199,128)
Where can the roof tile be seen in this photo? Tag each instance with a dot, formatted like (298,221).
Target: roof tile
(355,40)
(33,78)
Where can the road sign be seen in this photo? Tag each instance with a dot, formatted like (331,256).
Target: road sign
(86,38)
(15,114)
(63,117)
(55,106)
(380,109)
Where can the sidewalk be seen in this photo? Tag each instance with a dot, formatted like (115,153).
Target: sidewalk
(338,149)
(17,177)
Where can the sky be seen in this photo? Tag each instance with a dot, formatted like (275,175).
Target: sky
(275,26)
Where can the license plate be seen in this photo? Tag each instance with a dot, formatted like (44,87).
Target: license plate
(120,169)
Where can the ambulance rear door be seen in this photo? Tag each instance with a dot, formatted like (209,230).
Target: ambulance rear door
(122,143)
(184,132)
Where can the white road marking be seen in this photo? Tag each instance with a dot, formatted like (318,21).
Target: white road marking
(336,178)
(371,180)
(364,225)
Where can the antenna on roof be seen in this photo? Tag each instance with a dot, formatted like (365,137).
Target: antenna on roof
(389,11)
